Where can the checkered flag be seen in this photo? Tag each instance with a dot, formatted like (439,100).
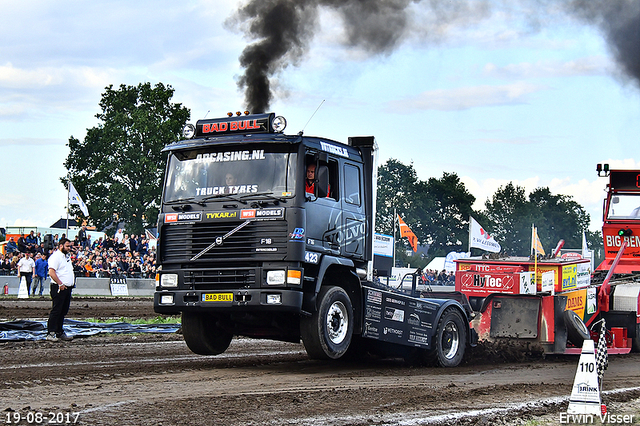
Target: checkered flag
(602,355)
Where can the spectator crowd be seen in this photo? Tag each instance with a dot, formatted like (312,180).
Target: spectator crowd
(121,255)
(430,276)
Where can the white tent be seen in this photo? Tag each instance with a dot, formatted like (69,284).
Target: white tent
(437,264)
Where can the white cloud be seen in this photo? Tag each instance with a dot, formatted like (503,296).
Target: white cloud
(627,163)
(26,79)
(467,97)
(22,142)
(592,65)
(484,190)
(35,78)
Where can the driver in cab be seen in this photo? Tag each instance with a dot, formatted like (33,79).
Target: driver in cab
(310,181)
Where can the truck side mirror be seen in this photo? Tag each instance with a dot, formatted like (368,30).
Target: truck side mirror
(322,184)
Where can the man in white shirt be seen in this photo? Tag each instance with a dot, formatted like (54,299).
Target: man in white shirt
(62,281)
(26,265)
(119,236)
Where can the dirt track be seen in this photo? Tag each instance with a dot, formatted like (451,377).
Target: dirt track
(156,380)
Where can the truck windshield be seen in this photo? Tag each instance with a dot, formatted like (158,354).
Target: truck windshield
(624,206)
(207,173)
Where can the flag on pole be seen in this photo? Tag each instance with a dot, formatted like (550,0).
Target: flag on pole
(479,238)
(536,245)
(602,355)
(74,198)
(408,233)
(585,249)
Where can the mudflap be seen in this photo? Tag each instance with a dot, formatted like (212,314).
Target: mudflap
(515,317)
(509,326)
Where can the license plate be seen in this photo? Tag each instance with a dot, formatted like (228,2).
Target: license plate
(217,297)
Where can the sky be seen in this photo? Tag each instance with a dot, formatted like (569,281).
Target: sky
(495,94)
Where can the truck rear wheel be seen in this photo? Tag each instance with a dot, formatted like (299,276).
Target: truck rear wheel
(327,333)
(450,340)
(577,332)
(635,344)
(202,334)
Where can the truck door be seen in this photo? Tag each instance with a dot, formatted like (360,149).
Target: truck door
(353,211)
(324,214)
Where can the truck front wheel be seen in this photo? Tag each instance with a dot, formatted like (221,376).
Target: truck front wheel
(327,333)
(450,340)
(202,335)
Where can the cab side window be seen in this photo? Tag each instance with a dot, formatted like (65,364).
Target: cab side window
(311,176)
(352,185)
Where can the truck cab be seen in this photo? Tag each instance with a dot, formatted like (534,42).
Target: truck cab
(621,220)
(246,241)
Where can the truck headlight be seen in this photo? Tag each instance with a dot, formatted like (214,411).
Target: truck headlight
(275,277)
(274,299)
(166,299)
(279,124)
(169,280)
(188,131)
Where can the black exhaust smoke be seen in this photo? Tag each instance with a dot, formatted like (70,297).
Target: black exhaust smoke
(283,29)
(619,21)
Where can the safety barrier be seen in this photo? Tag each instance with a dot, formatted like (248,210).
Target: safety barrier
(90,286)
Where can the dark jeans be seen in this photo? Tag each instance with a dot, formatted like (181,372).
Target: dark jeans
(37,281)
(61,301)
(28,276)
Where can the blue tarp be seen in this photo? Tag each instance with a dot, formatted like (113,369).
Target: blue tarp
(37,330)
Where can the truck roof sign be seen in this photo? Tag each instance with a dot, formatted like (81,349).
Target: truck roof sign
(621,180)
(256,123)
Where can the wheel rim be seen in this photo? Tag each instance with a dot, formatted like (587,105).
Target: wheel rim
(450,340)
(583,328)
(337,322)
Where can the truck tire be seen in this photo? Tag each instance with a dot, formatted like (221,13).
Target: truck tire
(202,334)
(635,343)
(358,351)
(327,333)
(450,340)
(577,332)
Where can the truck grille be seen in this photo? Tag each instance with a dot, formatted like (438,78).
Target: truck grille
(222,278)
(258,241)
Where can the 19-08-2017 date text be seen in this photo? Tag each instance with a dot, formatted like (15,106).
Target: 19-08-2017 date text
(37,417)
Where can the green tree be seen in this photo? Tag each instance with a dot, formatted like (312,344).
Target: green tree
(595,242)
(436,210)
(118,167)
(511,216)
(560,218)
(445,207)
(396,190)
